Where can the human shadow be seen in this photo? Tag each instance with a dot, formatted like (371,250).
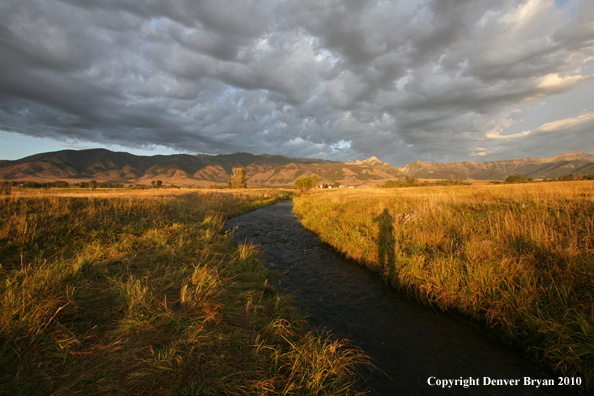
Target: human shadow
(385,240)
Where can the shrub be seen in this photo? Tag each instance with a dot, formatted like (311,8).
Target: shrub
(5,188)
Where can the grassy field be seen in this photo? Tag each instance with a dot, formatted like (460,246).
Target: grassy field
(520,258)
(142,292)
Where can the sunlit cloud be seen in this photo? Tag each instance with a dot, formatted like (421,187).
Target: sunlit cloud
(480,152)
(584,120)
(498,135)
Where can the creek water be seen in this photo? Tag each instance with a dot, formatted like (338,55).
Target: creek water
(413,346)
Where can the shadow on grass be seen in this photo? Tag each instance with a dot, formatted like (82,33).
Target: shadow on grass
(385,240)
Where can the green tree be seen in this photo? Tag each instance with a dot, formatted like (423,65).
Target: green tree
(300,184)
(305,183)
(410,180)
(238,178)
(92,184)
(153,183)
(336,184)
(158,183)
(516,179)
(314,181)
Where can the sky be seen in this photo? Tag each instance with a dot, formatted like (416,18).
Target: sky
(440,81)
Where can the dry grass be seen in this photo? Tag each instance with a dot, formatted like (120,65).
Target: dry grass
(518,257)
(142,193)
(144,293)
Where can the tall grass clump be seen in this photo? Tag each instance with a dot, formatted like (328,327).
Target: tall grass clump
(147,294)
(520,258)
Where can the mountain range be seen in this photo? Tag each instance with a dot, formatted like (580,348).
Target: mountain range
(268,170)
(536,168)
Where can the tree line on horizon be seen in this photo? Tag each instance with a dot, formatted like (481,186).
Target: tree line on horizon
(413,182)
(571,177)
(238,180)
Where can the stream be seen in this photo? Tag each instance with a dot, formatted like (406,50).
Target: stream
(414,347)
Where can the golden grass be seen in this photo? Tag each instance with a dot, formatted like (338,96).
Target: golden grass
(145,293)
(518,257)
(139,193)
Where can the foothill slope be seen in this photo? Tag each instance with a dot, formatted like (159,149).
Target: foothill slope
(268,170)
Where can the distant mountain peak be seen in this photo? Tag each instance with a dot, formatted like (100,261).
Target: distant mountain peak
(569,157)
(369,161)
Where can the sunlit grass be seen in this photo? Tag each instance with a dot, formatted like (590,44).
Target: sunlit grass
(145,293)
(518,257)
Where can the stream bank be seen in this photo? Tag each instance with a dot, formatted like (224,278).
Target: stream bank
(414,347)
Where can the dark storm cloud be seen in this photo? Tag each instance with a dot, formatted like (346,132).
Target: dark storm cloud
(434,80)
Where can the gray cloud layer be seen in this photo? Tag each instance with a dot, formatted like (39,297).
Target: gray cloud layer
(435,80)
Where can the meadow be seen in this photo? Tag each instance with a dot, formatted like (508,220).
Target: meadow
(143,292)
(519,258)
